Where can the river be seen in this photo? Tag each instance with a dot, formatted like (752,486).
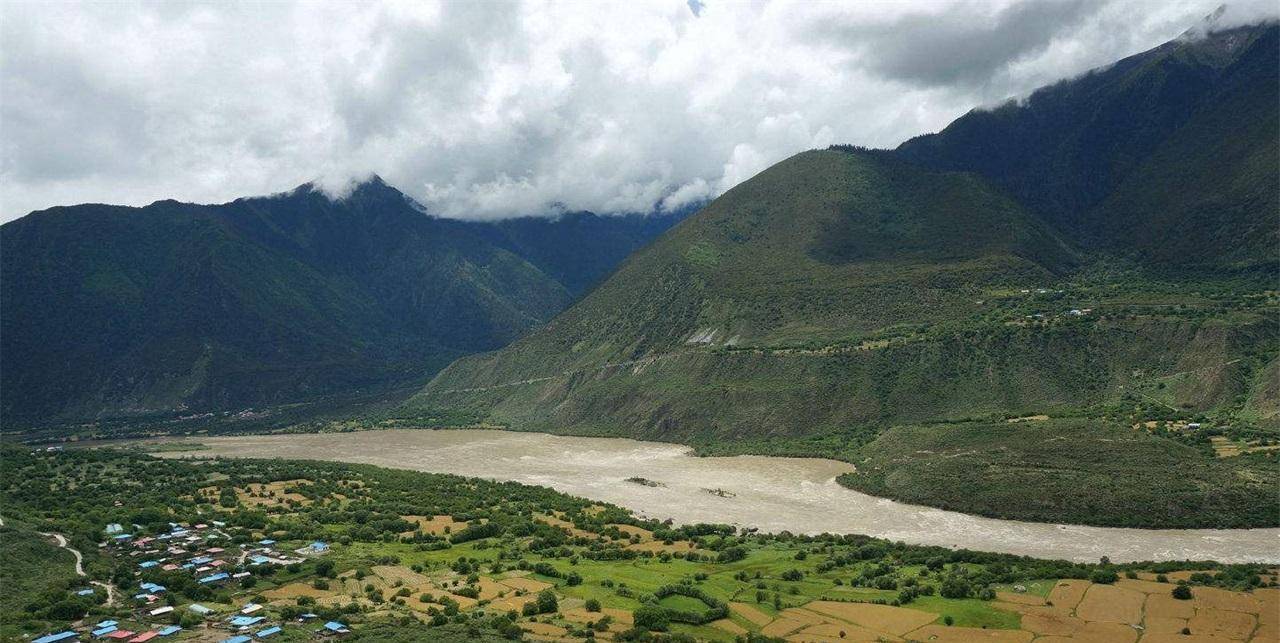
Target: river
(770,493)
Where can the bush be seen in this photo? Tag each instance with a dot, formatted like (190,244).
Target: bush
(592,605)
(1182,593)
(1103,576)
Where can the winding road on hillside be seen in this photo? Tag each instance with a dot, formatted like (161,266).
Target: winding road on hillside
(62,542)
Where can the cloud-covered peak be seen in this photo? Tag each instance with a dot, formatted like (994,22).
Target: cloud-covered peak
(485,110)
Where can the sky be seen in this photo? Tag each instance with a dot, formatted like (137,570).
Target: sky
(485,110)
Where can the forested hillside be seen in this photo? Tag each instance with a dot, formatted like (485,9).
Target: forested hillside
(183,308)
(1167,157)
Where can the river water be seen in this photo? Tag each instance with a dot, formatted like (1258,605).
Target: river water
(773,494)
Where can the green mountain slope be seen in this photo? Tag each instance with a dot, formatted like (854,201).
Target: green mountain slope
(111,311)
(1167,157)
(1081,266)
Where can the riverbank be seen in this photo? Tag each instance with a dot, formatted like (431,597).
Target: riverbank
(772,494)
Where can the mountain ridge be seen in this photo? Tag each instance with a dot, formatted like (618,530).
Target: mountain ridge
(294,295)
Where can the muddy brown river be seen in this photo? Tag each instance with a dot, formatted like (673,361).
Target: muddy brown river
(772,494)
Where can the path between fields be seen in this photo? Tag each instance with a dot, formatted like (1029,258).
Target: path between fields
(62,542)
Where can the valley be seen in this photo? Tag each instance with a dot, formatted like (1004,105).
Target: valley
(204,548)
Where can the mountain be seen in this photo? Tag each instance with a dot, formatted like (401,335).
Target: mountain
(1167,157)
(1067,257)
(179,307)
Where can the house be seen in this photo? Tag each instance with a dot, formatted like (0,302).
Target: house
(250,608)
(237,639)
(334,627)
(120,635)
(319,547)
(60,636)
(106,623)
(144,637)
(114,528)
(200,609)
(269,632)
(169,631)
(266,542)
(161,610)
(152,587)
(103,630)
(84,592)
(213,578)
(246,621)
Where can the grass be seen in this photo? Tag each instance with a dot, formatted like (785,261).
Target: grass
(969,612)
(1081,470)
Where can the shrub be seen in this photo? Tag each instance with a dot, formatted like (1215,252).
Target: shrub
(1182,593)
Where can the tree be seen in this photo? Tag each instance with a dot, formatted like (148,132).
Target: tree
(955,587)
(651,617)
(1103,576)
(592,605)
(547,602)
(1182,592)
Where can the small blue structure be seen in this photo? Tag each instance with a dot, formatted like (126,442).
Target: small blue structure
(60,636)
(152,587)
(213,578)
(114,528)
(308,616)
(84,592)
(148,564)
(319,547)
(122,537)
(172,629)
(266,542)
(259,560)
(106,623)
(336,627)
(237,639)
(269,632)
(203,560)
(103,631)
(245,621)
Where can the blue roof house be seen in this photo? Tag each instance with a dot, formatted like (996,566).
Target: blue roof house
(60,636)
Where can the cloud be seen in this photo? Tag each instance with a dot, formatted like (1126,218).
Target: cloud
(484,110)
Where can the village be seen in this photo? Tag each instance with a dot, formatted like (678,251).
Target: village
(203,554)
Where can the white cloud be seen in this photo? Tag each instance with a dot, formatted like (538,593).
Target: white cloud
(495,109)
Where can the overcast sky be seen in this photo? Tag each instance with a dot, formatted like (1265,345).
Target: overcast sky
(491,109)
